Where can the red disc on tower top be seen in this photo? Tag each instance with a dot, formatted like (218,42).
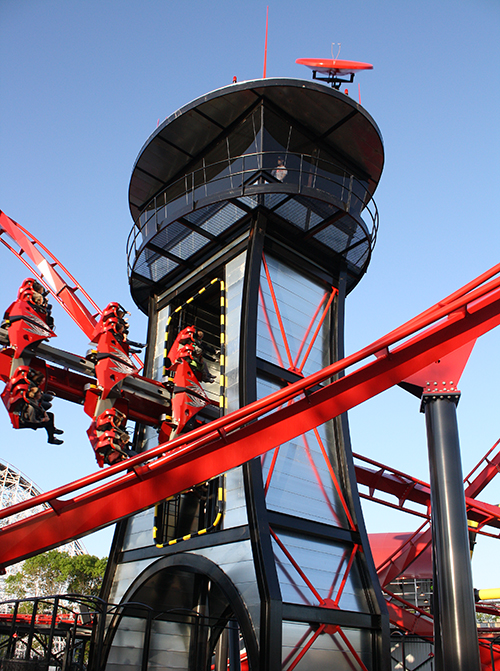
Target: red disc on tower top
(334,65)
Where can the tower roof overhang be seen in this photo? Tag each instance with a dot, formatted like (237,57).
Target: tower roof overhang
(328,115)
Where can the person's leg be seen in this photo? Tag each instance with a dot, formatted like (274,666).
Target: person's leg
(51,430)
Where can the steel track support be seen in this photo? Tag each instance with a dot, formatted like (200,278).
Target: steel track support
(455,632)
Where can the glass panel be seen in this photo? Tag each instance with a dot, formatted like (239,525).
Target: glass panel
(169,646)
(300,482)
(235,513)
(277,133)
(307,648)
(300,303)
(162,320)
(128,643)
(235,271)
(417,652)
(221,183)
(323,564)
(245,138)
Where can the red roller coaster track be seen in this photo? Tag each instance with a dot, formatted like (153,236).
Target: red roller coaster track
(242,435)
(104,497)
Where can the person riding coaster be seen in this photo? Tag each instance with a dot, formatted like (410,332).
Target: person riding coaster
(186,366)
(37,378)
(34,416)
(113,319)
(110,353)
(189,346)
(28,319)
(34,293)
(27,403)
(12,395)
(109,438)
(27,399)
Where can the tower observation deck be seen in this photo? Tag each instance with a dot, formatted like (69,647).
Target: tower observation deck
(253,219)
(200,176)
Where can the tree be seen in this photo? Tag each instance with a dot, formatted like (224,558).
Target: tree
(87,572)
(57,572)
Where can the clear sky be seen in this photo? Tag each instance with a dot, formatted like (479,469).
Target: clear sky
(83,84)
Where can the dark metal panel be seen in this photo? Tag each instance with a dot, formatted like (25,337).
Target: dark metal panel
(224,537)
(190,131)
(267,579)
(365,150)
(319,115)
(346,470)
(312,528)
(343,618)
(270,371)
(149,588)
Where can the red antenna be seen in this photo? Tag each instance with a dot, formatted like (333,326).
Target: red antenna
(265,48)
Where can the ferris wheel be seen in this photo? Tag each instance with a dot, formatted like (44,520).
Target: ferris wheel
(16,487)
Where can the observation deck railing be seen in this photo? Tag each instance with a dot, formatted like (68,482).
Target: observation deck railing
(248,175)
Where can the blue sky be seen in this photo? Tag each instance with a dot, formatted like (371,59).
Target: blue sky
(85,83)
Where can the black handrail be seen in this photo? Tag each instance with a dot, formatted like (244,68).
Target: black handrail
(163,207)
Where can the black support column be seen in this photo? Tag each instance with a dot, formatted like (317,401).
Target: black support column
(454,610)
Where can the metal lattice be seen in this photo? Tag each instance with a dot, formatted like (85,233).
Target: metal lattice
(14,488)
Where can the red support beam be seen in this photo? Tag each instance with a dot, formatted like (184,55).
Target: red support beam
(405,488)
(409,551)
(408,617)
(386,479)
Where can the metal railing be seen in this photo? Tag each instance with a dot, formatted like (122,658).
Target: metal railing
(75,633)
(249,174)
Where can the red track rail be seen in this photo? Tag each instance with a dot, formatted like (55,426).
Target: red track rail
(42,620)
(246,433)
(61,284)
(405,489)
(53,275)
(477,480)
